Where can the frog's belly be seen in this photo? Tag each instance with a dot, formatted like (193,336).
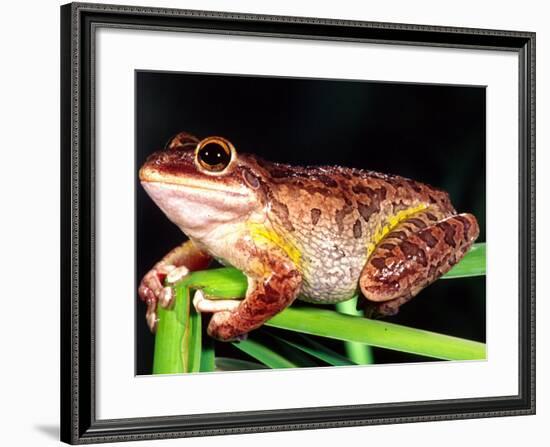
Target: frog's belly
(331,279)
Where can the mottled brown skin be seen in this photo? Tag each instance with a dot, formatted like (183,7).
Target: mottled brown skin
(314,233)
(414,255)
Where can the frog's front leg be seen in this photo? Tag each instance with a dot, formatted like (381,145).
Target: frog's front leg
(416,253)
(176,264)
(273,284)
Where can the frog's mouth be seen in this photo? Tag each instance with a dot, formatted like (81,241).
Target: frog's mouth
(197,207)
(189,181)
(188,187)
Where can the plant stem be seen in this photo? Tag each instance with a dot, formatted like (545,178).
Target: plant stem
(170,330)
(356,352)
(208,355)
(178,338)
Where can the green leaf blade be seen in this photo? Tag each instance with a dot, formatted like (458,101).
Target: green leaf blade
(178,339)
(191,347)
(230,364)
(318,351)
(263,354)
(297,356)
(357,352)
(168,339)
(473,263)
(218,283)
(208,355)
(377,333)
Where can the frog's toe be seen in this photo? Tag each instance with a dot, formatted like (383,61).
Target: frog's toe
(151,316)
(166,297)
(151,287)
(177,274)
(206,305)
(152,291)
(220,329)
(241,337)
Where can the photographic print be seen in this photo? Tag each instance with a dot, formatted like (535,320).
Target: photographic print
(303,223)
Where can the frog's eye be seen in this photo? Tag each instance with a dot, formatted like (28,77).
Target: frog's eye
(214,154)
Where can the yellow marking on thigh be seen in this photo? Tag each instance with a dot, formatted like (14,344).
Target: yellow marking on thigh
(393,221)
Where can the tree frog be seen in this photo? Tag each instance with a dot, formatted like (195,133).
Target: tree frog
(319,234)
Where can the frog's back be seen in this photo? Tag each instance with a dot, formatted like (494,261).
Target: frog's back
(333,217)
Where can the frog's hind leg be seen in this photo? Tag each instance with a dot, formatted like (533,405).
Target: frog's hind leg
(416,253)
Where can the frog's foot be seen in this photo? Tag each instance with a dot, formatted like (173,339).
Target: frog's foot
(216,306)
(205,305)
(152,289)
(170,269)
(413,256)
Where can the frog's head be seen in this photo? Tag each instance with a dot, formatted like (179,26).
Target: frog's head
(200,184)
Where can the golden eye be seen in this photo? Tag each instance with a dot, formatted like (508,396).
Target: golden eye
(213,154)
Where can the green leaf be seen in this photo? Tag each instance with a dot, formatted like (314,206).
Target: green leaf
(167,357)
(178,338)
(208,355)
(229,364)
(332,324)
(218,283)
(318,351)
(472,264)
(357,352)
(263,354)
(297,356)
(191,348)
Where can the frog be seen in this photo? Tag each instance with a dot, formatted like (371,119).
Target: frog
(318,234)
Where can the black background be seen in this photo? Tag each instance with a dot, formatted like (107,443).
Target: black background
(431,133)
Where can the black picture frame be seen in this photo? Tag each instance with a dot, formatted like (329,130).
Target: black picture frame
(78,25)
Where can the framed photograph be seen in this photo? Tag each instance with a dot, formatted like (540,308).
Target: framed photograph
(282,223)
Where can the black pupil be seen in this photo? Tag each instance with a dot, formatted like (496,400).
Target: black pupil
(214,156)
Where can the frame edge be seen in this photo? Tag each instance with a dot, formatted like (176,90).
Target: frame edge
(78,425)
